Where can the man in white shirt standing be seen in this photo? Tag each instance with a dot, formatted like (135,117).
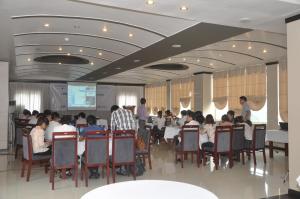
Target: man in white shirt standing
(181,121)
(33,118)
(246,112)
(52,124)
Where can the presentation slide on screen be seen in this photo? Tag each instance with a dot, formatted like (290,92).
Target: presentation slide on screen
(81,96)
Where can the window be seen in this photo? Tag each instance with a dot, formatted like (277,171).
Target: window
(30,100)
(128,96)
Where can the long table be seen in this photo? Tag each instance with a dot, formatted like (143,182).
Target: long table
(278,136)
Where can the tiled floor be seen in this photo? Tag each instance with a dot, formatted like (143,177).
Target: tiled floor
(240,182)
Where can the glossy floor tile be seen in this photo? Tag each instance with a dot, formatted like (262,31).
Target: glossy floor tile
(240,182)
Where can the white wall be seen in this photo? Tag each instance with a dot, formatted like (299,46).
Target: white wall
(4,78)
(293,60)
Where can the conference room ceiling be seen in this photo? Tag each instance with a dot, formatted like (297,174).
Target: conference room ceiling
(109,33)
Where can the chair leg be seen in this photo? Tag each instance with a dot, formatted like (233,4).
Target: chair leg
(176,157)
(254,157)
(144,159)
(107,173)
(243,157)
(102,171)
(149,160)
(264,154)
(133,171)
(216,157)
(29,171)
(52,178)
(230,160)
(76,175)
(198,158)
(17,151)
(204,158)
(23,168)
(114,173)
(86,175)
(192,154)
(81,172)
(182,156)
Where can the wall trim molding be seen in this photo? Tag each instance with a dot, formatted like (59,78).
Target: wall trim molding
(292,18)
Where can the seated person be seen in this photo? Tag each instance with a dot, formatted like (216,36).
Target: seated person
(225,121)
(65,126)
(248,130)
(33,118)
(199,117)
(209,129)
(230,115)
(39,146)
(25,115)
(47,114)
(181,121)
(52,124)
(92,126)
(81,119)
(159,124)
(169,118)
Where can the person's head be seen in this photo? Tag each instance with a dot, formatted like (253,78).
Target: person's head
(159,113)
(35,113)
(40,115)
(243,99)
(183,113)
(65,120)
(190,116)
(168,113)
(199,117)
(55,116)
(143,101)
(47,112)
(248,122)
(239,119)
(225,118)
(230,115)
(81,115)
(209,119)
(91,120)
(42,122)
(114,108)
(26,112)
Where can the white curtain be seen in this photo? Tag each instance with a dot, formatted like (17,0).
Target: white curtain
(129,95)
(31,96)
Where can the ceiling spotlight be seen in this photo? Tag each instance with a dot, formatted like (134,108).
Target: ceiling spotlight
(46,25)
(184,59)
(136,60)
(28,59)
(265,51)
(92,63)
(130,35)
(198,60)
(183,8)
(68,54)
(233,46)
(249,47)
(80,50)
(60,48)
(59,63)
(66,39)
(118,68)
(211,64)
(104,29)
(169,59)
(220,55)
(100,53)
(176,45)
(150,2)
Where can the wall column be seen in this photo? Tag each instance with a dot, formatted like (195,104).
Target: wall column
(169,94)
(202,92)
(293,61)
(4,78)
(272,95)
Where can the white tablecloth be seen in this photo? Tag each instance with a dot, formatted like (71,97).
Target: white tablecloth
(279,136)
(149,189)
(170,132)
(81,147)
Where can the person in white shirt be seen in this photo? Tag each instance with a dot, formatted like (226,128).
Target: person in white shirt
(81,119)
(209,129)
(225,121)
(33,118)
(181,121)
(65,126)
(52,124)
(25,115)
(159,126)
(248,130)
(39,146)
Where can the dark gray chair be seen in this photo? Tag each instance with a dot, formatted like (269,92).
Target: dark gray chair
(146,153)
(19,125)
(222,145)
(64,154)
(96,153)
(238,140)
(123,152)
(258,142)
(189,143)
(29,158)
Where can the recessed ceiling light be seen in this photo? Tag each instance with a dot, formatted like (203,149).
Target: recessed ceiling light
(245,20)
(68,54)
(220,55)
(136,60)
(184,59)
(249,47)
(233,46)
(265,51)
(130,35)
(183,8)
(118,68)
(211,64)
(59,63)
(28,59)
(176,45)
(169,59)
(66,39)
(60,48)
(150,2)
(92,63)
(80,50)
(104,29)
(198,60)
(100,53)
(46,25)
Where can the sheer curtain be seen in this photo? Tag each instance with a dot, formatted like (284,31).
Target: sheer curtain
(156,96)
(220,87)
(283,91)
(31,96)
(236,88)
(129,95)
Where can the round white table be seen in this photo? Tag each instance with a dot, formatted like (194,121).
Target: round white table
(149,189)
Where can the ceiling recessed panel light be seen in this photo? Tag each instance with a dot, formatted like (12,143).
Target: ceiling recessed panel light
(136,60)
(92,63)
(184,59)
(130,35)
(169,59)
(80,50)
(28,59)
(176,45)
(46,25)
(198,60)
(59,63)
(60,48)
(183,8)
(66,39)
(265,51)
(233,46)
(211,64)
(104,29)
(118,68)
(249,47)
(150,2)
(100,53)
(68,54)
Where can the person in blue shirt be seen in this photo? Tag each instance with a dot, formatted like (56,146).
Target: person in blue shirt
(92,126)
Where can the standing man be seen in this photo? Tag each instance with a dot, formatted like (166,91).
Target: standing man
(142,114)
(246,112)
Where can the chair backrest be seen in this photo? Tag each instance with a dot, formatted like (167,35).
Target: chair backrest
(147,138)
(123,147)
(21,122)
(259,136)
(64,150)
(27,144)
(238,137)
(190,138)
(223,139)
(168,121)
(96,148)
